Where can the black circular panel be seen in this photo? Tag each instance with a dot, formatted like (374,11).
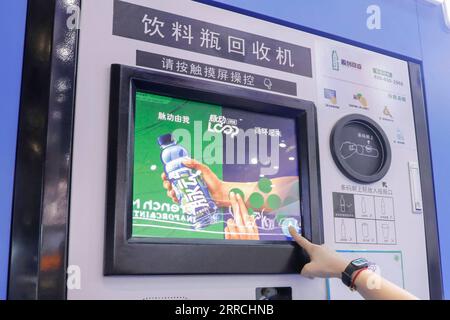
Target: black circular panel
(361,149)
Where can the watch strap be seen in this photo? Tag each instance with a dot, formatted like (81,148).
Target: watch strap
(350,270)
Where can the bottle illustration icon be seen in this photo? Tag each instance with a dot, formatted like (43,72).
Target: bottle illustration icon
(335,59)
(342,204)
(385,231)
(365,230)
(190,188)
(383,207)
(363,205)
(343,231)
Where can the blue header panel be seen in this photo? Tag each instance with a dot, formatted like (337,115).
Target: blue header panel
(12,32)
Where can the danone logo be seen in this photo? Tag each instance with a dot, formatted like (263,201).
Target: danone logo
(351,64)
(337,63)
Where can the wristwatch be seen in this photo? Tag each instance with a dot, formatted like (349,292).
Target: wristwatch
(354,266)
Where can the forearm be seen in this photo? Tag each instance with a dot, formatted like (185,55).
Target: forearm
(327,263)
(373,287)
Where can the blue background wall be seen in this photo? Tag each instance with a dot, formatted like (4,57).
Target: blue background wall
(435,42)
(414,28)
(347,18)
(12,30)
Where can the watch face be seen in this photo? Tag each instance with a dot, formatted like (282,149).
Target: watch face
(359,262)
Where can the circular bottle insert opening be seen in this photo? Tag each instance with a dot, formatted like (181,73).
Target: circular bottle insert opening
(361,149)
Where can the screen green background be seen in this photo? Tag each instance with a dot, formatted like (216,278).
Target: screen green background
(147,183)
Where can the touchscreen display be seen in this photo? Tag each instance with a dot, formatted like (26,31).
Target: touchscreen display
(206,172)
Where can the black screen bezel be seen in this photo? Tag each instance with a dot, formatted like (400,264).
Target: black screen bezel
(125,255)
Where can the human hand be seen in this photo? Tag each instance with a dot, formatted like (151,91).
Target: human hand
(325,263)
(243,226)
(217,188)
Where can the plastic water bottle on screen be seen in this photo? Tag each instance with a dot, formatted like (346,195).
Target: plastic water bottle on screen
(191,190)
